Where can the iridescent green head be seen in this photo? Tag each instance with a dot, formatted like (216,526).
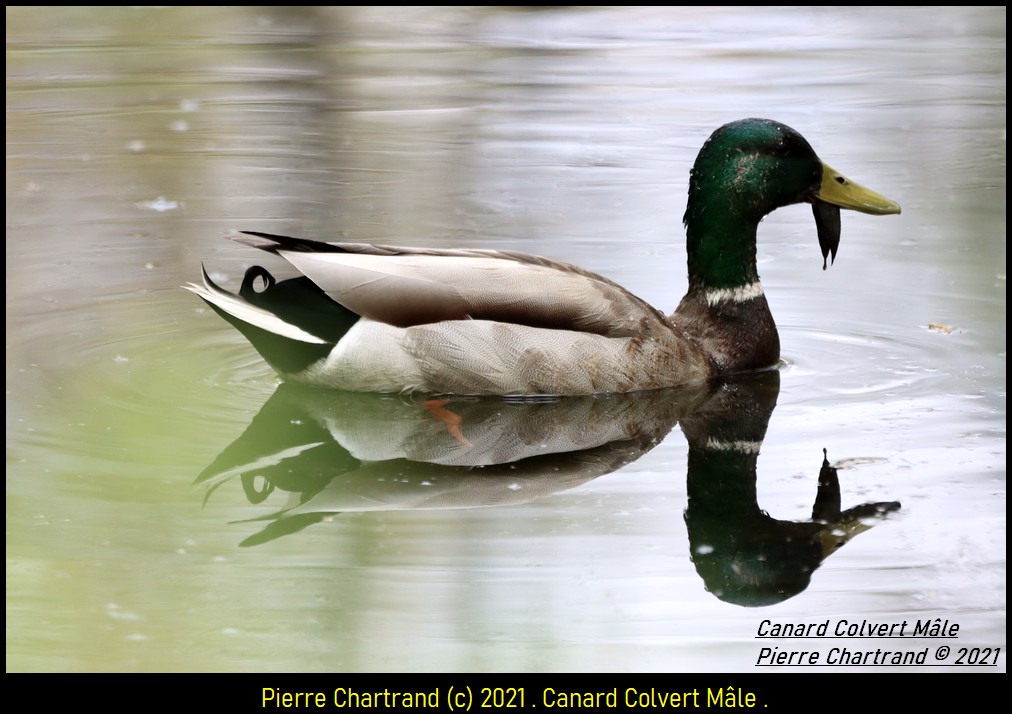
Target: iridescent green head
(746,170)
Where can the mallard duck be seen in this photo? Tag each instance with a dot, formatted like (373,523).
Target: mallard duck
(378,318)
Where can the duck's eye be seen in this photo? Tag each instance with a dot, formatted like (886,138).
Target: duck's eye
(780,148)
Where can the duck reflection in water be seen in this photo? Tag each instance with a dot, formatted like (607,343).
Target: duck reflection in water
(334,452)
(745,556)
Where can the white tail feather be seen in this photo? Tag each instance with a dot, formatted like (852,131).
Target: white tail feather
(250,314)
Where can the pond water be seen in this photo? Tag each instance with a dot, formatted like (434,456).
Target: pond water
(170,508)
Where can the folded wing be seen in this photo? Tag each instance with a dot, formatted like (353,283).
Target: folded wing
(414,286)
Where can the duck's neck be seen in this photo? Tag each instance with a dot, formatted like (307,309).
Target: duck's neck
(720,231)
(725,308)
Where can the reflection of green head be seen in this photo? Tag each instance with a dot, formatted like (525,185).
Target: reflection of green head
(744,556)
(759,563)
